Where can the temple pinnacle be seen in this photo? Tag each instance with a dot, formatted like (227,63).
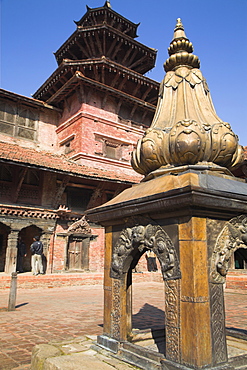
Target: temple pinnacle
(108,4)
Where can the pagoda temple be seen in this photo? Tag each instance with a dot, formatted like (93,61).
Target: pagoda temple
(68,148)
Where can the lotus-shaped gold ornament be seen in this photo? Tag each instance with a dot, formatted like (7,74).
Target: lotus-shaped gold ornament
(186,130)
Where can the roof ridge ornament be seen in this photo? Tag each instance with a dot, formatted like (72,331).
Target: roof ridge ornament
(185,130)
(107,4)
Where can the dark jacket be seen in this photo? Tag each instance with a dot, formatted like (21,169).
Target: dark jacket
(37,248)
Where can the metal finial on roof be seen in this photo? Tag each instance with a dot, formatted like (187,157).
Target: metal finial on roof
(179,24)
(108,4)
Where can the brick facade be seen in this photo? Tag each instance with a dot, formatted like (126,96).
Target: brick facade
(69,148)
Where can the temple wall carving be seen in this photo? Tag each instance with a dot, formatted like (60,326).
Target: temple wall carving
(134,241)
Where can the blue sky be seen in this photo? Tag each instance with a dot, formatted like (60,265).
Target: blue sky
(32,30)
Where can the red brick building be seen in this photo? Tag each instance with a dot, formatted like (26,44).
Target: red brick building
(68,148)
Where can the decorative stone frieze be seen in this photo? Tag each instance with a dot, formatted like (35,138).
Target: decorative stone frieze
(139,239)
(80,227)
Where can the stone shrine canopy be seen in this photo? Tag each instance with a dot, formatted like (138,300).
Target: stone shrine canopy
(185,129)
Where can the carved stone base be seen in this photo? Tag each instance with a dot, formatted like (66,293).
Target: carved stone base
(145,358)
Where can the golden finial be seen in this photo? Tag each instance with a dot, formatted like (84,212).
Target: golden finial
(108,4)
(185,130)
(180,50)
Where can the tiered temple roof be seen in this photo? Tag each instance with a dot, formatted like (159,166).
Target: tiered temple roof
(103,49)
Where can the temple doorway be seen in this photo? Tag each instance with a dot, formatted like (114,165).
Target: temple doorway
(27,234)
(4,232)
(78,253)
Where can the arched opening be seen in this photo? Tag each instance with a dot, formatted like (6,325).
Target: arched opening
(240,258)
(4,232)
(127,249)
(26,235)
(148,307)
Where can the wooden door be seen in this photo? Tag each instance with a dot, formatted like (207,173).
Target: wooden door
(78,253)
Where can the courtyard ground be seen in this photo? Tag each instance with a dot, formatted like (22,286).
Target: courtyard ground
(61,313)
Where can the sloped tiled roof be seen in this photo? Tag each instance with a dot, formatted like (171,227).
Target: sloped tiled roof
(59,163)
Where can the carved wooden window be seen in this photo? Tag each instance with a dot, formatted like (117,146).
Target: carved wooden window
(112,150)
(67,146)
(26,124)
(18,121)
(32,178)
(78,199)
(7,118)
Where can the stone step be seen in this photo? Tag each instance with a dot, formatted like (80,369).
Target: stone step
(141,351)
(138,360)
(238,362)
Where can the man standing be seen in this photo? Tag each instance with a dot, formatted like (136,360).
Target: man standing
(37,251)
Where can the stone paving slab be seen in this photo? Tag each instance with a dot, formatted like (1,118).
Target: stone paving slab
(76,354)
(65,313)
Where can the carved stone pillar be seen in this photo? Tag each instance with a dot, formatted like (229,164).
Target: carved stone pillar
(11,252)
(117,298)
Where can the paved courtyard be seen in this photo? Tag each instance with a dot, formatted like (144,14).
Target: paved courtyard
(46,314)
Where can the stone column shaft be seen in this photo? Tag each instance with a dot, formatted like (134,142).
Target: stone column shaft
(11,252)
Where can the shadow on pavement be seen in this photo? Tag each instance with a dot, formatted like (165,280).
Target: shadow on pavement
(22,304)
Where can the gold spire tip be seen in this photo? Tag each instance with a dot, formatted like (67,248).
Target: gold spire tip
(179,24)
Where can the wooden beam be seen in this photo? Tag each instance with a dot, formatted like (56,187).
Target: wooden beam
(60,191)
(98,42)
(104,101)
(88,46)
(96,194)
(116,50)
(113,45)
(104,42)
(96,74)
(67,104)
(73,55)
(18,184)
(82,49)
(80,94)
(126,56)
(123,82)
(138,62)
(89,94)
(132,57)
(135,90)
(119,106)
(144,115)
(146,93)
(92,43)
(133,111)
(114,80)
